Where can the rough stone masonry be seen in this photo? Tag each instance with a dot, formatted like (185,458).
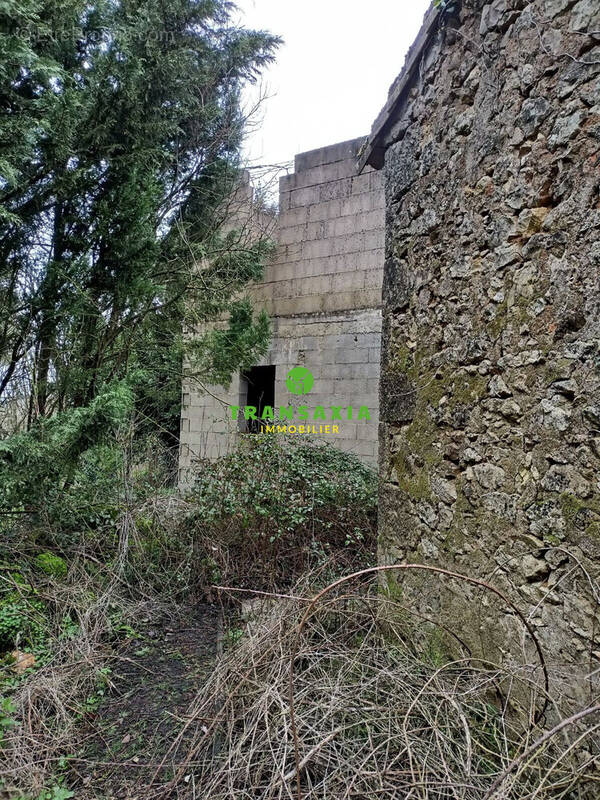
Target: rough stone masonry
(490,386)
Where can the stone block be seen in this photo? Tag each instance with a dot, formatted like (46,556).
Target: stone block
(326,210)
(363,447)
(357,204)
(318,248)
(353,242)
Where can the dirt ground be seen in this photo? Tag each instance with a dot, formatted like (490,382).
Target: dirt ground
(153,679)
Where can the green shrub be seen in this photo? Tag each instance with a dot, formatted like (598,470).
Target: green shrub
(285,485)
(7,720)
(36,466)
(51,564)
(22,618)
(274,508)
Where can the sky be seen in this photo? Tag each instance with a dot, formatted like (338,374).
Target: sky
(332,73)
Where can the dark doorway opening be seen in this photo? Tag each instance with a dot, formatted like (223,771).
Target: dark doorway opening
(259,385)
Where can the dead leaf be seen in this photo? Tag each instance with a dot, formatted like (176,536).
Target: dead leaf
(22,662)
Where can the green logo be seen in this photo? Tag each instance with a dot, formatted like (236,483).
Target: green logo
(299,381)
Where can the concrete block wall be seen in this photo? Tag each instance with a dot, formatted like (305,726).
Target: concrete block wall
(330,234)
(322,290)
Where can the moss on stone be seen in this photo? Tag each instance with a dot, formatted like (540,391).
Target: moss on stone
(551,538)
(414,482)
(436,649)
(556,370)
(51,564)
(422,436)
(455,537)
(392,588)
(401,359)
(495,326)
(571,506)
(516,312)
(467,390)
(593,529)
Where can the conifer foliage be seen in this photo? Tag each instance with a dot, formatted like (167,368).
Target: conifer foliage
(120,133)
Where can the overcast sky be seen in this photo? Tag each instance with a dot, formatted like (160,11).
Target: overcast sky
(332,72)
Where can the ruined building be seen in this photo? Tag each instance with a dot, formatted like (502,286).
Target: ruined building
(489,445)
(489,146)
(322,291)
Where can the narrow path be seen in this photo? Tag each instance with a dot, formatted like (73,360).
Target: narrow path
(155,678)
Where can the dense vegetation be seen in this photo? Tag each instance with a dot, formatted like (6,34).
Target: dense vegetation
(114,542)
(261,516)
(121,126)
(120,137)
(270,512)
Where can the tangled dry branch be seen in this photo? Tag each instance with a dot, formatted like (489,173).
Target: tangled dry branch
(49,705)
(372,715)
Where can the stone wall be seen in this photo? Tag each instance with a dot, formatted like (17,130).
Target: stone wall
(490,388)
(322,291)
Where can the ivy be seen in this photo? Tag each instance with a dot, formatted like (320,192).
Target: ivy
(277,487)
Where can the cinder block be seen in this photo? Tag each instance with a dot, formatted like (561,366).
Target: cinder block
(374,279)
(355,204)
(325,210)
(291,216)
(320,284)
(318,248)
(338,301)
(374,239)
(335,190)
(370,221)
(375,180)
(340,371)
(308,304)
(324,390)
(293,233)
(308,343)
(343,226)
(364,371)
(317,230)
(364,398)
(361,183)
(326,155)
(364,447)
(354,242)
(366,431)
(346,340)
(346,388)
(322,173)
(346,281)
(369,339)
(305,197)
(368,298)
(293,251)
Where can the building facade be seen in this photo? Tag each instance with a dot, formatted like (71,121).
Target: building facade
(322,291)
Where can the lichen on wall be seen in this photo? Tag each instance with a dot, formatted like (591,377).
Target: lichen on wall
(490,388)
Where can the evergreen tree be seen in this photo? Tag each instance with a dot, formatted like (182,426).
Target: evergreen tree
(120,134)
